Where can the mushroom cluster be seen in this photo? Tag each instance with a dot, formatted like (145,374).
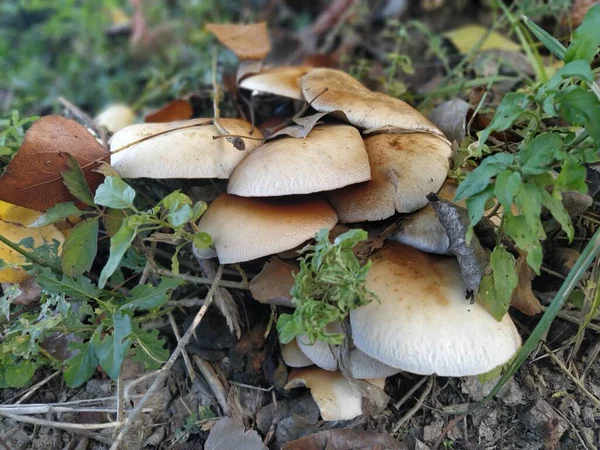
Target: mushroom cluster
(368,157)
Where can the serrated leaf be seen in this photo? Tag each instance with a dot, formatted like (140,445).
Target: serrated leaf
(149,349)
(586,37)
(496,289)
(18,375)
(80,367)
(480,178)
(119,244)
(115,193)
(58,212)
(113,348)
(512,106)
(80,247)
(147,297)
(506,186)
(75,181)
(80,287)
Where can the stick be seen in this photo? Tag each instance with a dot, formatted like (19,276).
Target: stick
(412,411)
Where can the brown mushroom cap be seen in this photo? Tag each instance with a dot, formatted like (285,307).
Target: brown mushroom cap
(423,323)
(182,149)
(243,229)
(363,108)
(283,81)
(404,169)
(330,157)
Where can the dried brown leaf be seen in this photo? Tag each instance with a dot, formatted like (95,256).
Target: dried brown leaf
(346,439)
(522,297)
(229,434)
(246,41)
(304,125)
(274,282)
(176,110)
(33,180)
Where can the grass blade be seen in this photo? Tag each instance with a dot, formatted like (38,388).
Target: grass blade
(549,41)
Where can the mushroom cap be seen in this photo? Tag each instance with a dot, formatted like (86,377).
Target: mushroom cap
(325,356)
(335,397)
(182,149)
(330,157)
(283,81)
(423,323)
(115,117)
(363,108)
(404,169)
(422,230)
(243,229)
(293,356)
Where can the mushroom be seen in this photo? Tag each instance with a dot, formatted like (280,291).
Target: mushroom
(423,323)
(334,395)
(243,229)
(404,169)
(115,117)
(330,157)
(293,356)
(182,149)
(325,356)
(283,81)
(362,107)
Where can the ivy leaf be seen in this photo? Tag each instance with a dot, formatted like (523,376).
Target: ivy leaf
(512,106)
(18,375)
(149,349)
(147,297)
(79,288)
(480,178)
(115,193)
(80,247)
(58,212)
(80,367)
(555,205)
(586,37)
(496,289)
(572,176)
(119,244)
(538,155)
(75,181)
(113,349)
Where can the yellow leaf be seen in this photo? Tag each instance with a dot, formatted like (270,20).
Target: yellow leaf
(465,38)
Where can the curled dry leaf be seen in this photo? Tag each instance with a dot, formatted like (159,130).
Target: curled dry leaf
(246,41)
(522,297)
(274,282)
(33,178)
(304,125)
(343,439)
(179,109)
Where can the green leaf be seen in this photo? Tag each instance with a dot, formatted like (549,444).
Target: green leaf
(80,287)
(580,107)
(115,193)
(480,178)
(549,41)
(496,289)
(512,106)
(175,200)
(119,244)
(526,237)
(580,69)
(539,154)
(80,367)
(476,204)
(586,37)
(198,209)
(180,217)
(113,219)
(202,240)
(555,205)
(149,349)
(113,349)
(58,212)
(18,375)
(75,181)
(529,201)
(147,297)
(506,186)
(80,247)
(572,176)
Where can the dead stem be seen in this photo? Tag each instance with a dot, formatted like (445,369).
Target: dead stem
(412,411)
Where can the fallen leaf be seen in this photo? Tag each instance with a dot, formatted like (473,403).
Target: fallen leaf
(346,439)
(522,297)
(451,118)
(274,282)
(304,125)
(176,110)
(246,41)
(30,292)
(564,258)
(229,434)
(33,178)
(464,39)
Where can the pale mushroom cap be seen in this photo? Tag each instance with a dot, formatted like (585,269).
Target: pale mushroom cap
(181,151)
(330,157)
(363,108)
(404,169)
(335,397)
(283,81)
(243,229)
(423,323)
(115,117)
(293,356)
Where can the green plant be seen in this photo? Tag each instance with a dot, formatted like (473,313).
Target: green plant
(12,132)
(331,283)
